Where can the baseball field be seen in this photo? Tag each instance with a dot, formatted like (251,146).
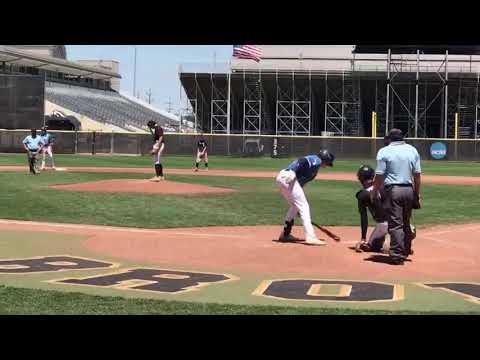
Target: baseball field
(97,237)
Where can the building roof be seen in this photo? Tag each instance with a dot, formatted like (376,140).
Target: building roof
(412,49)
(26,58)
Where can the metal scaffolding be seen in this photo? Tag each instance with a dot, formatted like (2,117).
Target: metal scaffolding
(252,103)
(219,105)
(342,105)
(418,93)
(294,104)
(408,99)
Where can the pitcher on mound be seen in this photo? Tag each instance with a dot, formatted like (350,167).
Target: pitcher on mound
(157,149)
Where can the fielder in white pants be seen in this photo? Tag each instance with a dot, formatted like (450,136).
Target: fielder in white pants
(47,139)
(290,182)
(47,150)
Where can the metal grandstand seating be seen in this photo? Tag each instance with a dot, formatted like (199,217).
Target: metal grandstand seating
(104,106)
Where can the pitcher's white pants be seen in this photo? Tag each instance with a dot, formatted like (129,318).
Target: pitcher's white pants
(157,158)
(293,193)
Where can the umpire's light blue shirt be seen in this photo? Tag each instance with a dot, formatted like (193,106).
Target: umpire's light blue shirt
(33,143)
(397,162)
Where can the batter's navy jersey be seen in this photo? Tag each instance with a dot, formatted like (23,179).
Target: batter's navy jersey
(305,168)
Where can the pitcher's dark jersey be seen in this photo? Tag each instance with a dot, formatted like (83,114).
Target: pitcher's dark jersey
(158,133)
(201,145)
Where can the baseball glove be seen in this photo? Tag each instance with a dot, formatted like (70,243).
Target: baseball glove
(155,148)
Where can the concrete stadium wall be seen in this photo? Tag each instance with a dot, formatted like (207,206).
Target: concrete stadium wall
(69,142)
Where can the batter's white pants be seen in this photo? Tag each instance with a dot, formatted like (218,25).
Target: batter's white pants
(47,150)
(157,157)
(293,193)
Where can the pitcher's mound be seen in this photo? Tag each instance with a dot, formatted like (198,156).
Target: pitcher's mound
(142,186)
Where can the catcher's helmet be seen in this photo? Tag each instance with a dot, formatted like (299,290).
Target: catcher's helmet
(326,157)
(151,124)
(365,173)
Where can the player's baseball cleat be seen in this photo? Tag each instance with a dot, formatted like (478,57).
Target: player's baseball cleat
(287,238)
(161,178)
(312,240)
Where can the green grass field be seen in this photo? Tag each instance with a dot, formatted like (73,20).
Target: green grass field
(47,302)
(257,201)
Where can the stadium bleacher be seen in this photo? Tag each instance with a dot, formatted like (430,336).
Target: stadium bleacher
(105,106)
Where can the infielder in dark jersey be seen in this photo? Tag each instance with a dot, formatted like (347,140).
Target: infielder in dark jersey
(202,153)
(157,150)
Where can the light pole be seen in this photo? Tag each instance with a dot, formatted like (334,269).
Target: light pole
(135,71)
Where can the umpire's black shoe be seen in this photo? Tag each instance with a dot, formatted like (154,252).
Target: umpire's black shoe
(396,261)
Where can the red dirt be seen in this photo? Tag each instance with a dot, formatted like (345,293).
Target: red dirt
(142,186)
(442,253)
(431,179)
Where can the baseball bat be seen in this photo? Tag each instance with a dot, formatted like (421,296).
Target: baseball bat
(327,232)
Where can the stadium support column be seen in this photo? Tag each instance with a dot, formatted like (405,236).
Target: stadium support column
(228,99)
(416,93)
(446,97)
(388,91)
(476,108)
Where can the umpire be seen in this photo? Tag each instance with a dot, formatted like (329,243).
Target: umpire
(398,169)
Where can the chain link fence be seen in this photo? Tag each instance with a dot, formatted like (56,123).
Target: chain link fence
(70,142)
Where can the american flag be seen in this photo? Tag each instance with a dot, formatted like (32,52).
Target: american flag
(247,52)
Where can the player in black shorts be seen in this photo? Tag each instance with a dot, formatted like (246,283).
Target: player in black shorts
(157,149)
(202,153)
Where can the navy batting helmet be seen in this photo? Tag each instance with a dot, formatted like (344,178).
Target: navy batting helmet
(326,157)
(365,173)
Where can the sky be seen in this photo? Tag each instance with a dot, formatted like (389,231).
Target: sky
(157,66)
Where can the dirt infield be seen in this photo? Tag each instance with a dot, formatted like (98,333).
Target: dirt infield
(441,253)
(430,179)
(142,186)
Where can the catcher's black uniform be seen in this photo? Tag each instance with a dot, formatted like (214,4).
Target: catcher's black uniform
(376,208)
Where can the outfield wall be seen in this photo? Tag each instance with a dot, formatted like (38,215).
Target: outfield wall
(68,142)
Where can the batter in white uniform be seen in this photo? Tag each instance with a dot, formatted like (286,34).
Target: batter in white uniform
(291,181)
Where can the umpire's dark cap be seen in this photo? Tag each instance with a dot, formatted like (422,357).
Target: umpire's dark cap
(395,135)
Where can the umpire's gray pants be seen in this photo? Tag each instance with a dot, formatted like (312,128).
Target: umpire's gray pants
(399,201)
